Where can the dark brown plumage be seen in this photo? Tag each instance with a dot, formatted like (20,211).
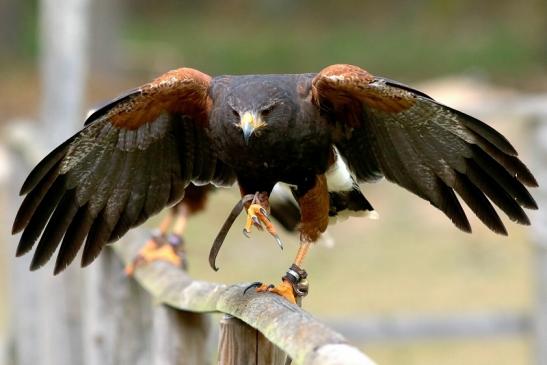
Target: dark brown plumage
(137,154)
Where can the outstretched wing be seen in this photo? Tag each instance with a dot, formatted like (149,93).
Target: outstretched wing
(388,129)
(134,156)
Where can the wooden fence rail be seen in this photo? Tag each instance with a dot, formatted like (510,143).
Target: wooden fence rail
(424,326)
(296,332)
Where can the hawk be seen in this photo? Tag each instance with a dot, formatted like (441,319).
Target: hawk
(320,133)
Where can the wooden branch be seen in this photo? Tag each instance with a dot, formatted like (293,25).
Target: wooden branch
(306,340)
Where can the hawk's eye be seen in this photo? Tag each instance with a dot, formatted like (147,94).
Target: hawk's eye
(267,111)
(235,113)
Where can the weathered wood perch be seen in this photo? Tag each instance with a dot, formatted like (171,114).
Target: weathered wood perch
(240,343)
(306,340)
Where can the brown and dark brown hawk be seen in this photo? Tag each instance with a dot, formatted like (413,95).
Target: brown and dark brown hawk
(320,133)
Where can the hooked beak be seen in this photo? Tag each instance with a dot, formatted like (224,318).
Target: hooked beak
(247,126)
(249,123)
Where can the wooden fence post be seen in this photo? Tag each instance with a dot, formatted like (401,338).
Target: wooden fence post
(63,48)
(64,35)
(180,337)
(538,138)
(240,343)
(25,290)
(46,310)
(117,316)
(123,326)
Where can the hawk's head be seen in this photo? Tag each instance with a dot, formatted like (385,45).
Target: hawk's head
(259,104)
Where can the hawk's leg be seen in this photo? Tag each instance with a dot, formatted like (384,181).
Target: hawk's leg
(294,284)
(258,213)
(314,207)
(166,244)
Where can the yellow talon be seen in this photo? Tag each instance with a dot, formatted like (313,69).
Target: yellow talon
(258,216)
(253,214)
(152,251)
(284,289)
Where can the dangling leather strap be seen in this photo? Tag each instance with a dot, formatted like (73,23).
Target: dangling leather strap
(221,236)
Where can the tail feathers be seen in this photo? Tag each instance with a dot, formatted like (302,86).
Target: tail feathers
(346,199)
(350,203)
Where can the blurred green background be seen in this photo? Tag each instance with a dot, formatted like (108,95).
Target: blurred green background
(410,261)
(503,41)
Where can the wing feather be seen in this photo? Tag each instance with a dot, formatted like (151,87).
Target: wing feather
(476,200)
(511,164)
(74,238)
(33,199)
(97,236)
(385,128)
(45,166)
(509,181)
(33,229)
(55,229)
(133,157)
(496,193)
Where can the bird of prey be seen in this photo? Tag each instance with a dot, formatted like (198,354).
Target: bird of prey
(321,133)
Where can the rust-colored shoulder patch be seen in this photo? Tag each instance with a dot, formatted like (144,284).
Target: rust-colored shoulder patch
(344,84)
(344,72)
(183,90)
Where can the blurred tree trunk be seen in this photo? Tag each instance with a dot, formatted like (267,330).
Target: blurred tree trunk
(538,138)
(105,43)
(543,10)
(47,317)
(64,37)
(11,26)
(63,57)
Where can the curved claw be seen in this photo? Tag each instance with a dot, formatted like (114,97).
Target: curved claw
(258,217)
(256,221)
(278,241)
(256,284)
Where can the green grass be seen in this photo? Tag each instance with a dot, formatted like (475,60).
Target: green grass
(406,50)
